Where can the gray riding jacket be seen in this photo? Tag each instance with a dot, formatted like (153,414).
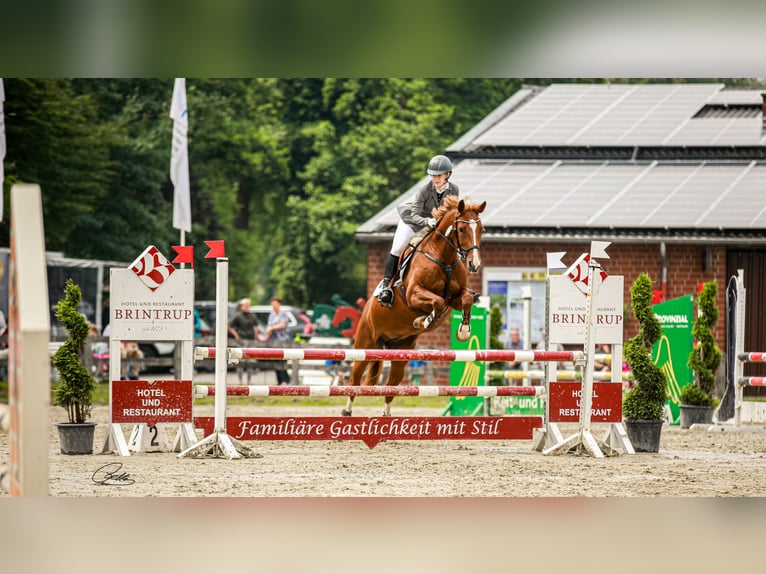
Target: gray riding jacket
(415,213)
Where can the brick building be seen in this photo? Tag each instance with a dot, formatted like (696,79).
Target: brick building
(674,175)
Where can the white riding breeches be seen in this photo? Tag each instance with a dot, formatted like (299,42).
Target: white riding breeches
(402,237)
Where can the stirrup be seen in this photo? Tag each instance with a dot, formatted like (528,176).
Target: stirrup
(386,297)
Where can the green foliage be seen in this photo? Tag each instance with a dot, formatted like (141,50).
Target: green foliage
(495,328)
(693,395)
(76,386)
(284,170)
(645,401)
(706,356)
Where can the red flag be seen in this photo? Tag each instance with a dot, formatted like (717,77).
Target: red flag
(216,249)
(185,254)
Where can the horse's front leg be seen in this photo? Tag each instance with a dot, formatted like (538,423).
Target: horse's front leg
(432,306)
(466,302)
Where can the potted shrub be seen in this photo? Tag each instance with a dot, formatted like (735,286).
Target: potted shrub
(697,399)
(643,407)
(76,386)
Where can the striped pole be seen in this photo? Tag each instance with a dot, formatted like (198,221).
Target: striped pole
(752,381)
(368,391)
(752,357)
(237,353)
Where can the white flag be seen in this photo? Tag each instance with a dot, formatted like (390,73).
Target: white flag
(2,145)
(179,159)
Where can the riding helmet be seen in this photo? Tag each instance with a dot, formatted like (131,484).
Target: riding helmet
(439,164)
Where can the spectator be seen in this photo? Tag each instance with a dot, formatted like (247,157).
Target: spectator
(277,330)
(513,343)
(244,327)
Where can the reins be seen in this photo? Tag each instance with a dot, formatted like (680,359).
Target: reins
(459,250)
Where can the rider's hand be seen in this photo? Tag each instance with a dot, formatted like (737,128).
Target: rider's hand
(431,222)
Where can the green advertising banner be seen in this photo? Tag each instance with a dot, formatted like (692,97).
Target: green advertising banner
(671,352)
(468,374)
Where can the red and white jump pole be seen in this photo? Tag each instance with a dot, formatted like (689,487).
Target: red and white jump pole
(368,391)
(237,353)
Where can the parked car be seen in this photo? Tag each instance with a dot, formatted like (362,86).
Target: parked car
(207,312)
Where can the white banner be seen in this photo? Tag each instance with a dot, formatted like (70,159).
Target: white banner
(139,313)
(179,159)
(567,312)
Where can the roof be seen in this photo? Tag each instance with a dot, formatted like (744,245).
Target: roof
(681,162)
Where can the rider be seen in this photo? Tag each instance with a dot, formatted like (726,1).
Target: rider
(415,216)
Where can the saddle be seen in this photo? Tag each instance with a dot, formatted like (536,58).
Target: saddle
(397,282)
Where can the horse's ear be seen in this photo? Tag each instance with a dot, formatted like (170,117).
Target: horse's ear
(481,208)
(461,206)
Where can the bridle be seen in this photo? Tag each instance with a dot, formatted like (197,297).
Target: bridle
(461,251)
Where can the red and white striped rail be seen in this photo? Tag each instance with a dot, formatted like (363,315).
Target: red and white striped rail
(752,381)
(369,391)
(752,357)
(236,353)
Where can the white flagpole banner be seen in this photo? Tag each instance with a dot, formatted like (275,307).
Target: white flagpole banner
(179,159)
(2,145)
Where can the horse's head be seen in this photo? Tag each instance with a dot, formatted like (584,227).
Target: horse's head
(460,219)
(468,230)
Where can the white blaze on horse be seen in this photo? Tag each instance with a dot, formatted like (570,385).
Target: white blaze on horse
(434,276)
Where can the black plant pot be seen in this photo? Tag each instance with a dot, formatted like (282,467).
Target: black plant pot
(644,435)
(695,414)
(76,438)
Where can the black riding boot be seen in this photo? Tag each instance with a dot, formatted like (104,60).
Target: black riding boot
(386,295)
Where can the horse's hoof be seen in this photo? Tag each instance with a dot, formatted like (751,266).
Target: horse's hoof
(385,414)
(345,413)
(463,335)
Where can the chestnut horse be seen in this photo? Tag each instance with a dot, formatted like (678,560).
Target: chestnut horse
(434,282)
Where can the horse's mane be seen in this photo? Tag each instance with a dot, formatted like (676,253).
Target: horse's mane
(450,203)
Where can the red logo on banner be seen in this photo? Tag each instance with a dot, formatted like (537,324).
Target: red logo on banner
(152,267)
(578,272)
(565,402)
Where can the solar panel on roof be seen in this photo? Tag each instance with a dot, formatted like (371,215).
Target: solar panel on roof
(596,114)
(580,193)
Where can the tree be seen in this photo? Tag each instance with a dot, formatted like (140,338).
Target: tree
(645,401)
(706,356)
(283,170)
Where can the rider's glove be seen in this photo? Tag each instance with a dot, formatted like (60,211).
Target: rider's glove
(431,222)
